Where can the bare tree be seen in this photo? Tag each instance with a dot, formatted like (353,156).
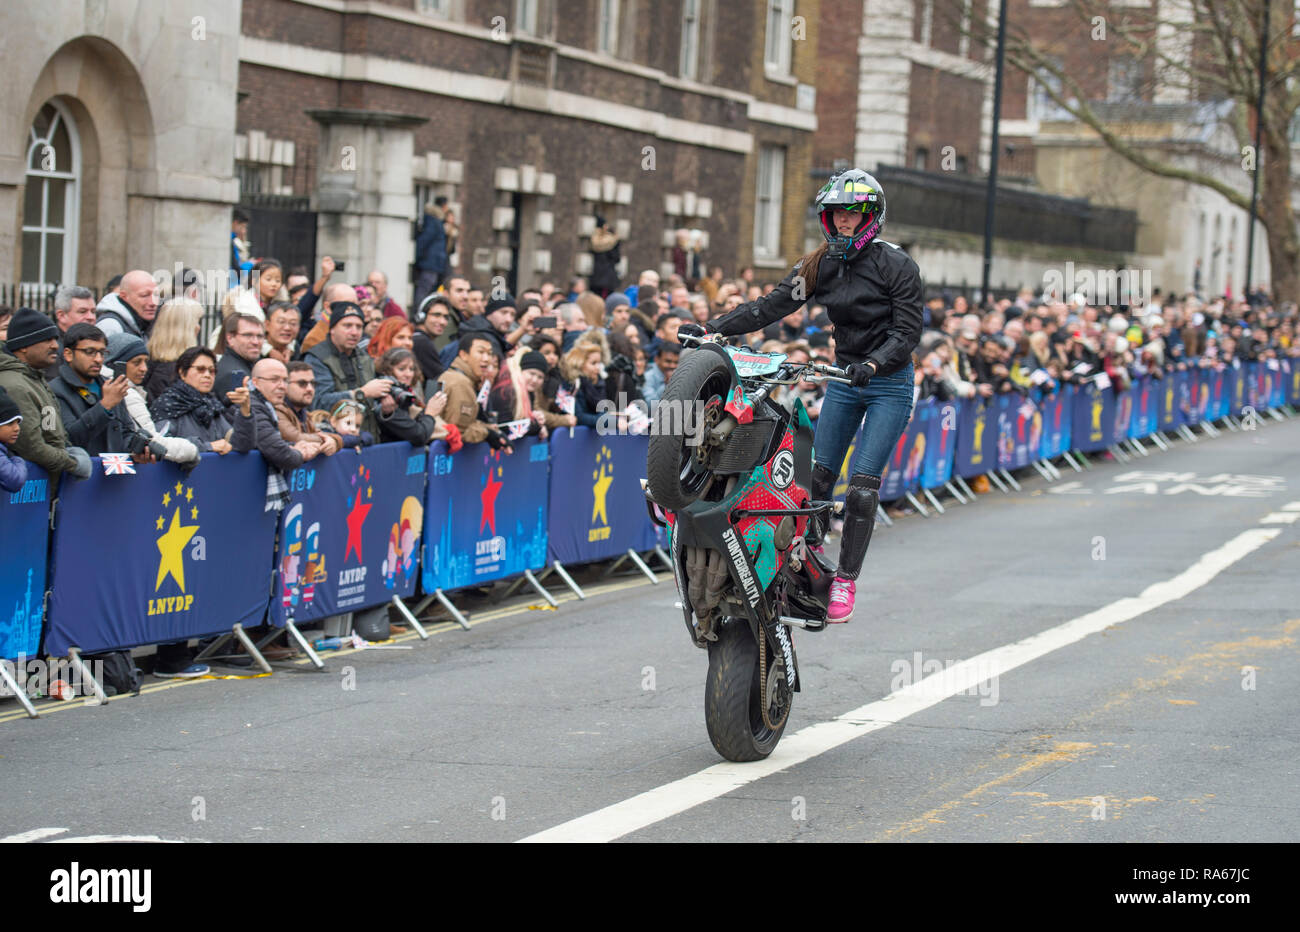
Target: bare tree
(1209,51)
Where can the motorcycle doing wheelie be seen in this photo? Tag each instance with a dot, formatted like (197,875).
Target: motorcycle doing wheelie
(729,474)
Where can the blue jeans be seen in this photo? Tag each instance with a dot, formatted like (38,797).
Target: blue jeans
(887,403)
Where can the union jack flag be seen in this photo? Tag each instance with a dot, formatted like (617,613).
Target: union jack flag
(564,400)
(483,393)
(516,429)
(117,464)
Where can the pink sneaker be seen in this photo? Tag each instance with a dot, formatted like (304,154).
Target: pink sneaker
(841,603)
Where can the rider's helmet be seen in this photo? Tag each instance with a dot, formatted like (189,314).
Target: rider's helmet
(857,191)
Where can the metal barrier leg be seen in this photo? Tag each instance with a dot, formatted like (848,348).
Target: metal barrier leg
(1051,468)
(884,518)
(303,644)
(568,580)
(19,691)
(1186,433)
(532,580)
(632,555)
(1038,468)
(997,481)
(916,504)
(1275,414)
(410,618)
(955,492)
(455,612)
(74,655)
(1209,429)
(1160,441)
(933,501)
(1011,480)
(1073,465)
(1234,425)
(249,646)
(609,570)
(1135,445)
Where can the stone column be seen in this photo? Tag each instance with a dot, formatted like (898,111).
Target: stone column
(884,84)
(365,195)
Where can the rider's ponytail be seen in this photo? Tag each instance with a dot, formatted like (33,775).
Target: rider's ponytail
(808,266)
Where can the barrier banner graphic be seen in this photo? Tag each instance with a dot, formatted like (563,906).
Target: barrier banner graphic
(976,438)
(25,524)
(1293,380)
(1093,425)
(597,509)
(350,535)
(1056,422)
(1239,379)
(161,555)
(484,514)
(1169,390)
(903,470)
(1019,430)
(1145,395)
(940,424)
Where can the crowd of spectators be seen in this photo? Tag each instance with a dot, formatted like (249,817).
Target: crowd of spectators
(303,367)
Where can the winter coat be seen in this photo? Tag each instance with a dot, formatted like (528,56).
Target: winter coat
(431,241)
(873,299)
(113,315)
(88,423)
(232,369)
(295,425)
(182,411)
(157,378)
(462,403)
(42,440)
(334,383)
(605,256)
(13,470)
(260,431)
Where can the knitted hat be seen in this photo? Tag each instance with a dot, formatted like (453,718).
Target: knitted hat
(124,346)
(497,303)
(533,360)
(614,300)
(27,327)
(9,409)
(342,310)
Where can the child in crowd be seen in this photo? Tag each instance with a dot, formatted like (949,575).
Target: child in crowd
(13,468)
(344,420)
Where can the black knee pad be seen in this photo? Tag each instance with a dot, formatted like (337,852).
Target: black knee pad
(864,494)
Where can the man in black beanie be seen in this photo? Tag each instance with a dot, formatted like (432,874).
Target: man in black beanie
(346,373)
(31,348)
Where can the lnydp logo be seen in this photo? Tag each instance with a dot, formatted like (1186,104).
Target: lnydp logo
(177,527)
(602,478)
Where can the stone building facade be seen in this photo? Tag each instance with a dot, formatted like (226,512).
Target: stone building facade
(115,137)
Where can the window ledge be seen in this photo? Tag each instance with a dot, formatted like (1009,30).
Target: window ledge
(780,77)
(777,263)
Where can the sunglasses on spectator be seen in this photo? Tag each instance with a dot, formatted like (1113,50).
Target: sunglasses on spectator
(203,370)
(302,383)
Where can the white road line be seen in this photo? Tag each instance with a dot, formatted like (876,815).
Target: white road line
(112,839)
(35,834)
(1291,506)
(672,798)
(1280,517)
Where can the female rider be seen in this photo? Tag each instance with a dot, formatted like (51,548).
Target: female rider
(871,290)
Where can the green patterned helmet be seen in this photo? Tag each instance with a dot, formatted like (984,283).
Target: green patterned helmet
(856,191)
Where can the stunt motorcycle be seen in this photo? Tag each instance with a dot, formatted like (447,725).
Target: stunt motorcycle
(729,474)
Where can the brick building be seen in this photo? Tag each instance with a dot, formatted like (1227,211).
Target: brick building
(533,117)
(919,84)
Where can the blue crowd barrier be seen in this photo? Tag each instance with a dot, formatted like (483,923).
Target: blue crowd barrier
(484,514)
(598,511)
(166,554)
(350,534)
(160,556)
(25,520)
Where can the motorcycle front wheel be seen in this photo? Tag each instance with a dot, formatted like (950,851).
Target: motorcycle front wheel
(678,469)
(733,706)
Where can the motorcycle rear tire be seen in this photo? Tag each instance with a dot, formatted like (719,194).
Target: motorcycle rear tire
(700,373)
(732,712)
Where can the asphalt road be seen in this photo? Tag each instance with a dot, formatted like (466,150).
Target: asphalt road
(1173,720)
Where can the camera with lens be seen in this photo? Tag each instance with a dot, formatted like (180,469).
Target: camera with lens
(137,441)
(400,393)
(621,363)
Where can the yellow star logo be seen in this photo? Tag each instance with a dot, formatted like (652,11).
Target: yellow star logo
(171,548)
(369,489)
(601,487)
(178,488)
(189,495)
(194,513)
(160,522)
(167,499)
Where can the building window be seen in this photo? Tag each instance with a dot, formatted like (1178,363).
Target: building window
(690,63)
(780,16)
(920,159)
(961,164)
(1041,104)
(50,201)
(767,209)
(607,27)
(526,17)
(1123,79)
(440,8)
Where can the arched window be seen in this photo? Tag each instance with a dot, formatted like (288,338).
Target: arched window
(51,202)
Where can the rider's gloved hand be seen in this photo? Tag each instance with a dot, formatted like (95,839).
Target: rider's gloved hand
(695,330)
(860,373)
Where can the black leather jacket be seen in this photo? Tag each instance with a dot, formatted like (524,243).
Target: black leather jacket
(874,301)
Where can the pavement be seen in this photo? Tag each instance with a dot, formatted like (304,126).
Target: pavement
(1110,657)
